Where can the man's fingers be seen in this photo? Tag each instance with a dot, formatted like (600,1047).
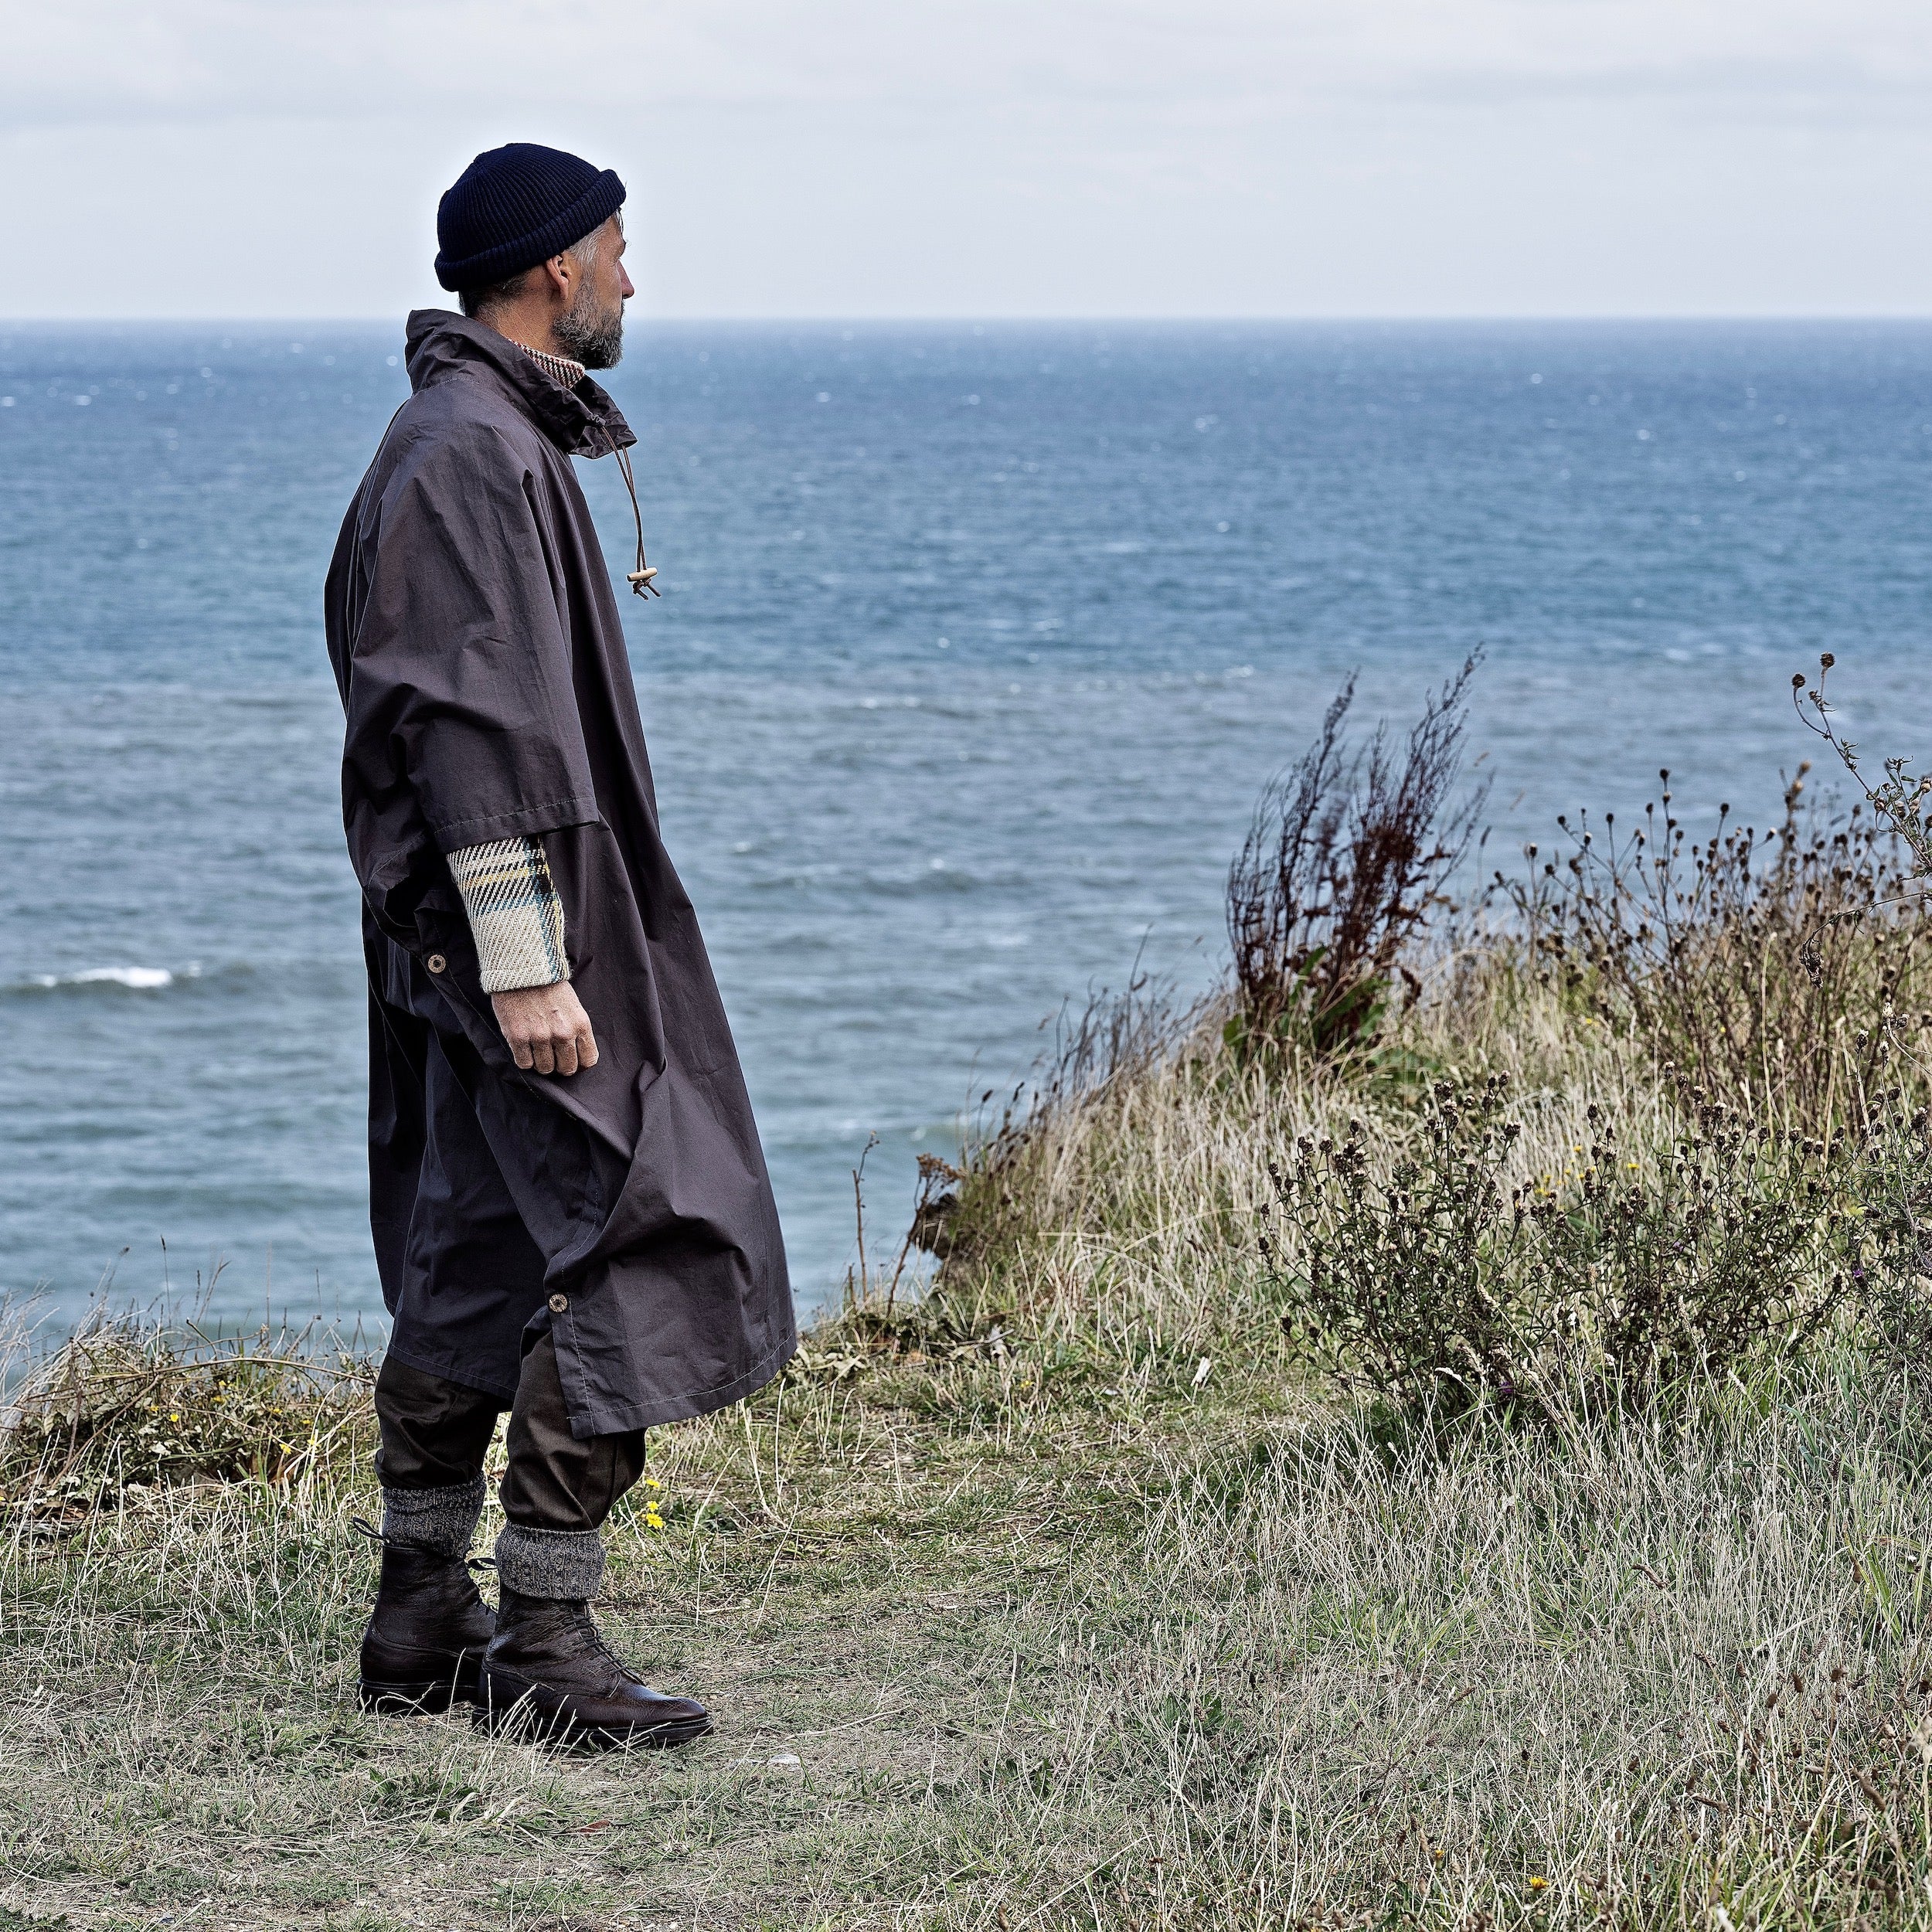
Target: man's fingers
(545,1028)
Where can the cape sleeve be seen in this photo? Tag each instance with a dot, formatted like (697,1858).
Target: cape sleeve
(463,726)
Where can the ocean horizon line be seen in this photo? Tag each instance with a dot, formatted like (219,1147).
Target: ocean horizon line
(648,317)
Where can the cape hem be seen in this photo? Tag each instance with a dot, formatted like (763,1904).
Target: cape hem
(604,1421)
(446,1368)
(526,821)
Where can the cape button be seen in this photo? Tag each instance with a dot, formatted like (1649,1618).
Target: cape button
(435,962)
(559,1303)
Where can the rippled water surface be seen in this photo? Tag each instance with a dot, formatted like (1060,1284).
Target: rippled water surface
(975,647)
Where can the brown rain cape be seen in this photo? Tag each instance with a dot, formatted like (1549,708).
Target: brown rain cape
(478,649)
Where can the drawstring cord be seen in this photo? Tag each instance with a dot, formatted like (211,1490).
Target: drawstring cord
(640,583)
(558,368)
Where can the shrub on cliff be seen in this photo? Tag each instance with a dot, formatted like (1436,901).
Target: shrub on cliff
(1347,853)
(1454,1276)
(1716,1071)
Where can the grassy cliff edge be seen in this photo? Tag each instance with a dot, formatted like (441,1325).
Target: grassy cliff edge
(1154,1564)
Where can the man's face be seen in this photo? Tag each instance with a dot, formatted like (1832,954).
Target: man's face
(591,329)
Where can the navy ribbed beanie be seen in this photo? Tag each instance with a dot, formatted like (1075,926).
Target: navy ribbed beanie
(514,207)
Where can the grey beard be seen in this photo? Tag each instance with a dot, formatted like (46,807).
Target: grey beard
(595,341)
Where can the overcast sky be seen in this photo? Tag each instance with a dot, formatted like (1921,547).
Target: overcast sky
(901,158)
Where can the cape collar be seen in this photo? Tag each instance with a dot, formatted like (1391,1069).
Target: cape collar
(583,421)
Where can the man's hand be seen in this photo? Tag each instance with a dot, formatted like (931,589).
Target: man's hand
(546,1028)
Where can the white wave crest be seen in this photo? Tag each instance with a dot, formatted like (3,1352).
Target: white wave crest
(143,978)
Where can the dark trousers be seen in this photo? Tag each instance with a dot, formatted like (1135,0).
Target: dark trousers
(434,1434)
(475,1184)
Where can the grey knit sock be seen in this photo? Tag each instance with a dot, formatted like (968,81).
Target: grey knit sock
(564,1563)
(441,1520)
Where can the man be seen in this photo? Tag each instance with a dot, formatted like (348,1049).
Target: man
(572,1216)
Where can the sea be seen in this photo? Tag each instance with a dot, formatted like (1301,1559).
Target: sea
(977,642)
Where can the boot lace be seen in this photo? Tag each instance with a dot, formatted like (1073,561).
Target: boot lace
(363,1527)
(583,1623)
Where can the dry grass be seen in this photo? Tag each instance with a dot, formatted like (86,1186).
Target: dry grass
(1049,1651)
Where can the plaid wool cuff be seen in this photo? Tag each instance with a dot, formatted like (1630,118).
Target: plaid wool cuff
(515,915)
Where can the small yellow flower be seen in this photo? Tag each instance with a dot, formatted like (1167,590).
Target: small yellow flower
(1537,1884)
(652,1482)
(653,1519)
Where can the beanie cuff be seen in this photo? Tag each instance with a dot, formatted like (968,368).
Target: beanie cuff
(591,210)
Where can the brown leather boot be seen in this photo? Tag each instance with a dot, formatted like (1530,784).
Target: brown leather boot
(423,1648)
(547,1668)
